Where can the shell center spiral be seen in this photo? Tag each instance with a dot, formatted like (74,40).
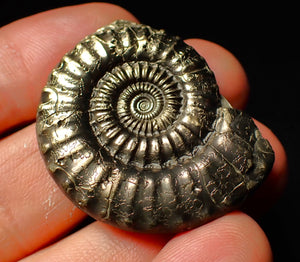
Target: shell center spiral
(142,104)
(141,101)
(131,109)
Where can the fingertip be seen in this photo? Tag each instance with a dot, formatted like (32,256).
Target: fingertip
(276,182)
(233,237)
(229,73)
(279,172)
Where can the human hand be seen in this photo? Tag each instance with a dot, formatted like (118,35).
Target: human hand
(34,213)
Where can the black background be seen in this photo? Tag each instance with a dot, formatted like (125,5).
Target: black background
(263,37)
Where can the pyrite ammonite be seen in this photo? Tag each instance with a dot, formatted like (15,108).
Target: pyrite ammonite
(133,129)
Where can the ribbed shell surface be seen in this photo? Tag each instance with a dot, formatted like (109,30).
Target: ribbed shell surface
(133,129)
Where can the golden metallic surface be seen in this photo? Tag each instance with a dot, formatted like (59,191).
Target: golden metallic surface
(133,129)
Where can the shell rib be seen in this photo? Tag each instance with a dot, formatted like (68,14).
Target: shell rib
(133,129)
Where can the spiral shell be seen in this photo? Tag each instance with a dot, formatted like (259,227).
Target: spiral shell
(133,129)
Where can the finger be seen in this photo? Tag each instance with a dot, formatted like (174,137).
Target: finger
(274,185)
(234,237)
(33,211)
(100,242)
(229,73)
(278,175)
(31,47)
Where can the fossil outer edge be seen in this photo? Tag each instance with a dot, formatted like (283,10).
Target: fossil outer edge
(133,129)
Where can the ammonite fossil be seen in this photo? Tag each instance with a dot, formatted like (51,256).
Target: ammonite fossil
(133,129)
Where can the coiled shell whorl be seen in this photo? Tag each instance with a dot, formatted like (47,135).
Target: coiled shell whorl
(133,129)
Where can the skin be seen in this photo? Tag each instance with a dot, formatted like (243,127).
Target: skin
(35,216)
